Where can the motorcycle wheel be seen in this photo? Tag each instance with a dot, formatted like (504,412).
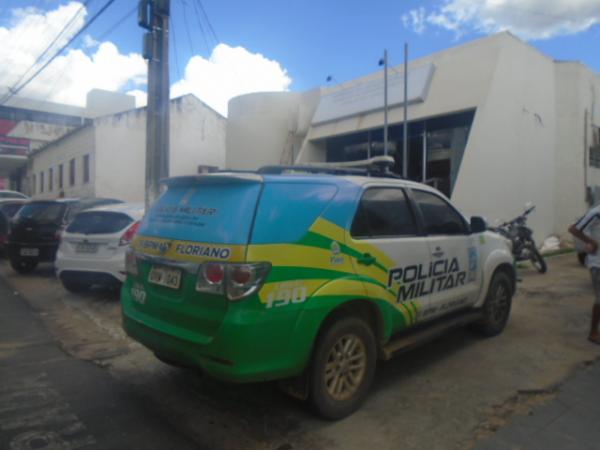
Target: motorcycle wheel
(538,261)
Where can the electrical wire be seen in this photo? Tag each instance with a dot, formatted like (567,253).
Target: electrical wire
(99,39)
(201,27)
(210,27)
(13,91)
(187,29)
(47,49)
(172,33)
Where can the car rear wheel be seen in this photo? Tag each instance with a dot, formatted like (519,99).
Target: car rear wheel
(496,308)
(23,265)
(343,368)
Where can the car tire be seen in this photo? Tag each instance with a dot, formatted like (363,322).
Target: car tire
(75,287)
(23,265)
(496,309)
(343,367)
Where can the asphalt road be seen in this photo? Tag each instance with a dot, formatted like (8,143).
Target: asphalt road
(448,394)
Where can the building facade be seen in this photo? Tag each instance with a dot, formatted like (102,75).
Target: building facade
(493,124)
(27,124)
(106,157)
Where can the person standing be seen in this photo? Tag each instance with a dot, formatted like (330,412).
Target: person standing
(587,229)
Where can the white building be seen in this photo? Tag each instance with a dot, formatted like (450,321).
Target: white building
(493,123)
(27,124)
(106,157)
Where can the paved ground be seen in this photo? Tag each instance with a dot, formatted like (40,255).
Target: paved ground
(51,400)
(567,422)
(456,392)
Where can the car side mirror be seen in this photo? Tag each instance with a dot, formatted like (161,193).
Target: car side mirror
(478,224)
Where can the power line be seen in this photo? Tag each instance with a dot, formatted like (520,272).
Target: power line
(210,27)
(14,91)
(201,27)
(172,33)
(118,23)
(47,49)
(187,30)
(100,38)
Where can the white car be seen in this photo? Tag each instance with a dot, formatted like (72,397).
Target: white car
(92,247)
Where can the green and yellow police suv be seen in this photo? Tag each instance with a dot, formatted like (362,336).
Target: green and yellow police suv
(308,277)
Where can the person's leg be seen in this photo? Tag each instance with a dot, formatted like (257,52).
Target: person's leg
(594,332)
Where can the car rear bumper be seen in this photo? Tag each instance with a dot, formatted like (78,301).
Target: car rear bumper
(113,267)
(46,251)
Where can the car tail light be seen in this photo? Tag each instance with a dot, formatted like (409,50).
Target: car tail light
(234,280)
(129,234)
(131,266)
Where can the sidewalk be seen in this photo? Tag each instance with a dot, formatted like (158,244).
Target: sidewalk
(569,421)
(50,400)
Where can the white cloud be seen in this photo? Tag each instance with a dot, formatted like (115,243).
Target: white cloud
(70,76)
(230,71)
(529,19)
(415,19)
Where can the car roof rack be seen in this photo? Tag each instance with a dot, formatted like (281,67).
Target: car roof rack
(378,166)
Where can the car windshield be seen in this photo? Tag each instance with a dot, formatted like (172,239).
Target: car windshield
(43,212)
(98,222)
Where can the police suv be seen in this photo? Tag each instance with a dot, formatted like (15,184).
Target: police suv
(309,275)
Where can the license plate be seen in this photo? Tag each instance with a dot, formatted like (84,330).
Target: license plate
(84,247)
(30,252)
(165,276)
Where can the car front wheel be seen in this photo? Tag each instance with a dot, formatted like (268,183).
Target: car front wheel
(343,368)
(496,308)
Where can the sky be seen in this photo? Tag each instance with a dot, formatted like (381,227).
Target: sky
(223,48)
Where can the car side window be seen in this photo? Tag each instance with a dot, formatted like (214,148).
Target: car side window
(439,218)
(383,212)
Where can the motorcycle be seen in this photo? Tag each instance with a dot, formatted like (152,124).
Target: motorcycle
(521,237)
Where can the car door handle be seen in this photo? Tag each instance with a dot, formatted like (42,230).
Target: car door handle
(437,254)
(366,259)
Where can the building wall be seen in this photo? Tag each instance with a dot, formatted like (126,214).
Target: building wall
(74,146)
(267,128)
(509,159)
(197,137)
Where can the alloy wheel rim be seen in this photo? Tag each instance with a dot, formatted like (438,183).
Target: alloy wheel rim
(500,303)
(346,367)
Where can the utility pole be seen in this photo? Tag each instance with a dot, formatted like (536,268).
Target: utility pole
(153,15)
(405,127)
(384,62)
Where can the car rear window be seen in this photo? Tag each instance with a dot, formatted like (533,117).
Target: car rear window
(99,222)
(43,212)
(10,209)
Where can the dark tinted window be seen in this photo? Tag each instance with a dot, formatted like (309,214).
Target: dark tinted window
(10,209)
(438,216)
(43,212)
(383,212)
(96,222)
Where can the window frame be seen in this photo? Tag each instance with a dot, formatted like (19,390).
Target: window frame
(421,219)
(411,208)
(60,175)
(41,181)
(50,179)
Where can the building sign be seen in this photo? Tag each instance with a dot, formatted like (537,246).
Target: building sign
(367,96)
(11,145)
